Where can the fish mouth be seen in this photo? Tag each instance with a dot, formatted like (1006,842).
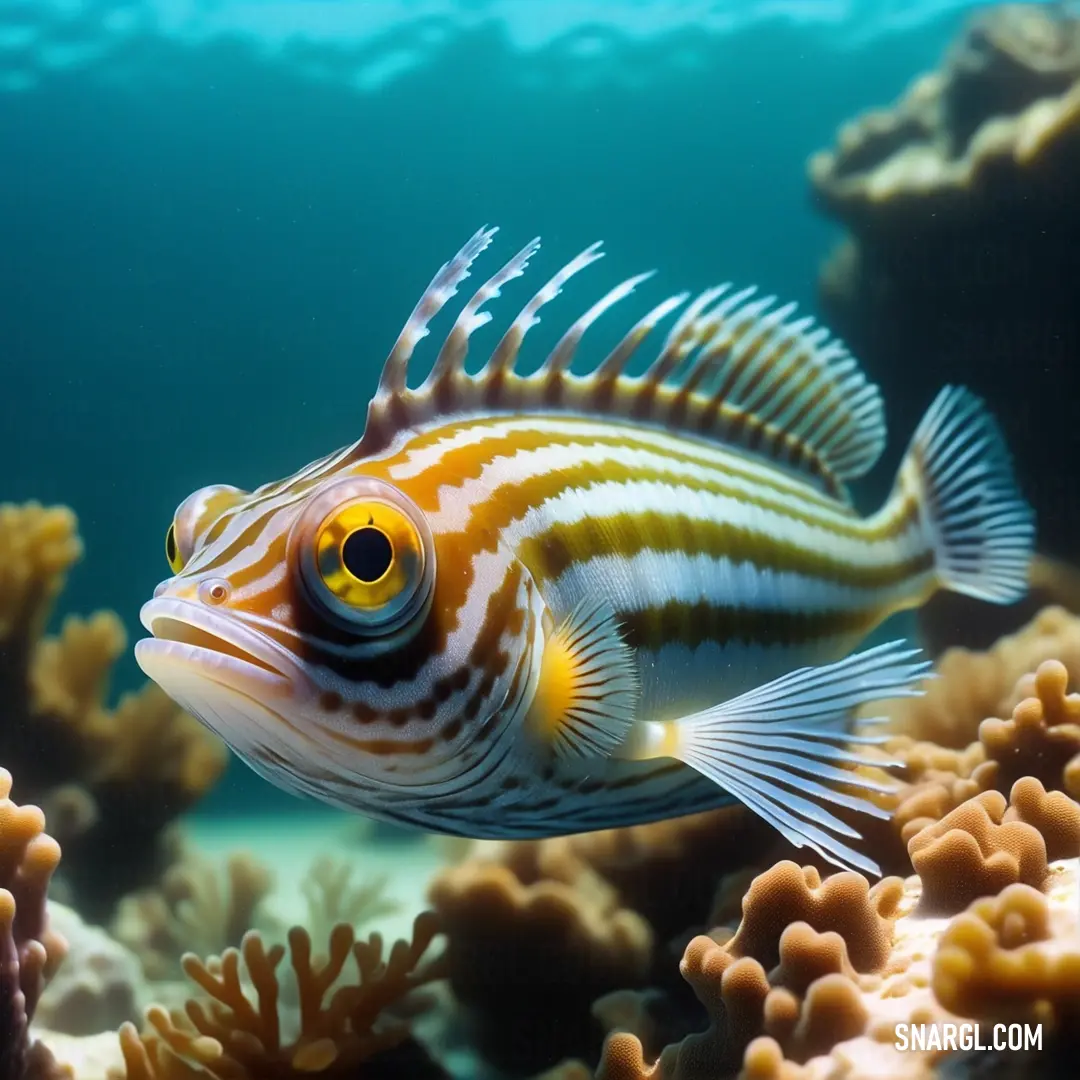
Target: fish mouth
(188,638)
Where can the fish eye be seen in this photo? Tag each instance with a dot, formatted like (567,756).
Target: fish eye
(365,555)
(172,552)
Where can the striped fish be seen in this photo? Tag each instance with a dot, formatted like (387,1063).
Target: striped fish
(521,606)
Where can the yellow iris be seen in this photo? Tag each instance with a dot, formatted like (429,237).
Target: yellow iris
(368,553)
(172,551)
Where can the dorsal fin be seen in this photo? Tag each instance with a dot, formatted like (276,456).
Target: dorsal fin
(735,369)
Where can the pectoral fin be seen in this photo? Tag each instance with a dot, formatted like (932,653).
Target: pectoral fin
(772,747)
(588,687)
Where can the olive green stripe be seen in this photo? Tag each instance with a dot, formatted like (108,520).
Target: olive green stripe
(626,534)
(692,625)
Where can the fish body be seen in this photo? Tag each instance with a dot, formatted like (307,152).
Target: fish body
(531,605)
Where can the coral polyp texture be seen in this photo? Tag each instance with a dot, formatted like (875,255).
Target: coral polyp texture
(29,950)
(962,247)
(109,779)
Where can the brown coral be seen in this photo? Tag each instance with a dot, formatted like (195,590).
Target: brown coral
(972,685)
(29,952)
(668,871)
(974,852)
(963,245)
(233,1035)
(1053,814)
(844,903)
(802,929)
(1042,737)
(1000,961)
(532,940)
(112,779)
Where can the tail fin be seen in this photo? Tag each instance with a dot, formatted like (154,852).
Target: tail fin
(981,528)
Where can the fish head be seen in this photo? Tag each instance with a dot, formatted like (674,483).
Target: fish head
(341,637)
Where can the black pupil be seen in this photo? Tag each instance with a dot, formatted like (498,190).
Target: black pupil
(367,554)
(170,544)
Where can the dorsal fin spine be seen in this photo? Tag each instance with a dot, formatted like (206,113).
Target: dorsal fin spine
(442,288)
(562,356)
(735,367)
(452,355)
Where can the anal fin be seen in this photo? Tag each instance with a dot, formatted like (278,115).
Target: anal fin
(777,747)
(587,691)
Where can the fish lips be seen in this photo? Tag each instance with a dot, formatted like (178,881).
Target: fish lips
(192,644)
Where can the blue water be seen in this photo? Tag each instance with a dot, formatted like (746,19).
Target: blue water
(215,217)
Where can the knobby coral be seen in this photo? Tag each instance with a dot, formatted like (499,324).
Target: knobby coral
(109,780)
(29,952)
(1004,960)
(343,1023)
(790,970)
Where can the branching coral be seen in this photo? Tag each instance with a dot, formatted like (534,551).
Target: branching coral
(1042,737)
(342,1026)
(332,898)
(814,1017)
(197,907)
(110,780)
(29,951)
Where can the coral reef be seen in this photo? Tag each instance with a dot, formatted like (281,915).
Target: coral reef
(963,245)
(692,949)
(109,780)
(533,937)
(233,1035)
(194,908)
(30,951)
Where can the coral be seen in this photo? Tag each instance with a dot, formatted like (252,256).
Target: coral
(1042,737)
(1053,814)
(342,1025)
(1001,960)
(972,685)
(963,242)
(195,908)
(99,986)
(30,951)
(110,780)
(814,1017)
(974,852)
(802,929)
(532,940)
(333,899)
(667,871)
(843,903)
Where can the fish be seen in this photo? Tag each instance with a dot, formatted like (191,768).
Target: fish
(527,605)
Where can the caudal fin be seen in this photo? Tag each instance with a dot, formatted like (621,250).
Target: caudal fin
(980,526)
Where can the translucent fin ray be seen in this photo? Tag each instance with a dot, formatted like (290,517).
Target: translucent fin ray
(771,746)
(958,469)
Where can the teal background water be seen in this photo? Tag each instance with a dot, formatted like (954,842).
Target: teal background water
(210,237)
